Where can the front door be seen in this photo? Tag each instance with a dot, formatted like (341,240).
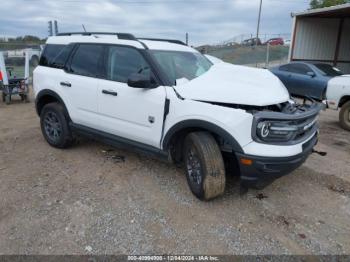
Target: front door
(132,113)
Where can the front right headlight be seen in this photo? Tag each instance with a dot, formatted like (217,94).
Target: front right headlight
(276,131)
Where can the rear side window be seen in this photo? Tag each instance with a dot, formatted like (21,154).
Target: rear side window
(49,54)
(86,60)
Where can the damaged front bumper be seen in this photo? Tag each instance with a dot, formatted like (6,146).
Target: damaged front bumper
(258,170)
(261,171)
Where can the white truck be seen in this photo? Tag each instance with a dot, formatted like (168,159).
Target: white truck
(164,98)
(338,96)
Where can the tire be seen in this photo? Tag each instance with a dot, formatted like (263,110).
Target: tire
(55,126)
(34,61)
(3,97)
(8,99)
(26,99)
(204,164)
(344,116)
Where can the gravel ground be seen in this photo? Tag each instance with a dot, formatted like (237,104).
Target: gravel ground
(88,200)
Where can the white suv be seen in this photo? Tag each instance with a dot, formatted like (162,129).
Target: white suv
(162,97)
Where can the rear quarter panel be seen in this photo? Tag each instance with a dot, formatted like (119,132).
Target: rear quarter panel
(49,78)
(338,87)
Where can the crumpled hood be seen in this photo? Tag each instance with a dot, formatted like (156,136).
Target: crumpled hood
(227,83)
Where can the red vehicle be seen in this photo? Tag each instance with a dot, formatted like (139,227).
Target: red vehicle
(275,41)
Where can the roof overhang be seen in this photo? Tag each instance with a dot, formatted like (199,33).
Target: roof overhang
(337,11)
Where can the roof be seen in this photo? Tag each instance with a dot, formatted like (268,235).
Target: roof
(113,39)
(333,11)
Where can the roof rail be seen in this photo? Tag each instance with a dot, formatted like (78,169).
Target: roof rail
(164,40)
(123,36)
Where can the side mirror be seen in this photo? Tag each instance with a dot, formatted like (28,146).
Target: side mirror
(137,80)
(312,74)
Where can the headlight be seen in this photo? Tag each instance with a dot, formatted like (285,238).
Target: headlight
(273,131)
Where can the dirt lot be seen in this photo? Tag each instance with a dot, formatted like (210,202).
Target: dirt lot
(87,200)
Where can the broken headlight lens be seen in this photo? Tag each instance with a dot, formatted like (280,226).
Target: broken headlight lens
(273,131)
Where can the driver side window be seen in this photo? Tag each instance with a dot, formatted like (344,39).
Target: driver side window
(123,62)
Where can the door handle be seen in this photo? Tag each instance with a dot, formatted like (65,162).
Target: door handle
(66,84)
(108,92)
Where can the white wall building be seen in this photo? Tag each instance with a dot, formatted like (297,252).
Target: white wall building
(322,35)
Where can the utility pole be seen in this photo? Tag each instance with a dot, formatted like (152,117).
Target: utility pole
(186,38)
(50,28)
(56,27)
(258,27)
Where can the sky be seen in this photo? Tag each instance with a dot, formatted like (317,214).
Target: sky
(206,21)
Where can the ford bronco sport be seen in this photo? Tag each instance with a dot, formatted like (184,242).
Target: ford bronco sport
(165,98)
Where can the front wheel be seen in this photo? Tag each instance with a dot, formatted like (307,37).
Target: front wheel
(8,99)
(205,169)
(55,127)
(344,116)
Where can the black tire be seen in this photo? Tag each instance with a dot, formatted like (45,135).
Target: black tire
(3,97)
(8,99)
(34,61)
(26,99)
(204,164)
(55,126)
(344,116)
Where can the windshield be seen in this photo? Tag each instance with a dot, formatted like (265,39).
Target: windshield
(182,65)
(329,70)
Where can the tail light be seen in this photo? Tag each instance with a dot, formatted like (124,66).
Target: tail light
(1,76)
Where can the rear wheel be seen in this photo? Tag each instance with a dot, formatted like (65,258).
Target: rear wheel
(55,126)
(7,99)
(344,116)
(205,169)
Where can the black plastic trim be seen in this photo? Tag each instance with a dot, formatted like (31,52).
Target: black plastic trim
(122,36)
(203,125)
(266,169)
(48,92)
(117,141)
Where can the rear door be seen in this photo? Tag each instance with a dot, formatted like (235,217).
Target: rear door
(132,113)
(80,83)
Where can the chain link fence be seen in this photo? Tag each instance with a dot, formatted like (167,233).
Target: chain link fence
(263,56)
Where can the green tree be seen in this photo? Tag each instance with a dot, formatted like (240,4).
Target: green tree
(326,3)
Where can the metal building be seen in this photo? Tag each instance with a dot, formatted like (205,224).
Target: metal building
(322,35)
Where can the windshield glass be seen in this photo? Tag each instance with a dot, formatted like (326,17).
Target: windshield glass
(182,65)
(329,70)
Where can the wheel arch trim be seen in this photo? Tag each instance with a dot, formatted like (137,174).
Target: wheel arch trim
(344,99)
(48,92)
(194,123)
